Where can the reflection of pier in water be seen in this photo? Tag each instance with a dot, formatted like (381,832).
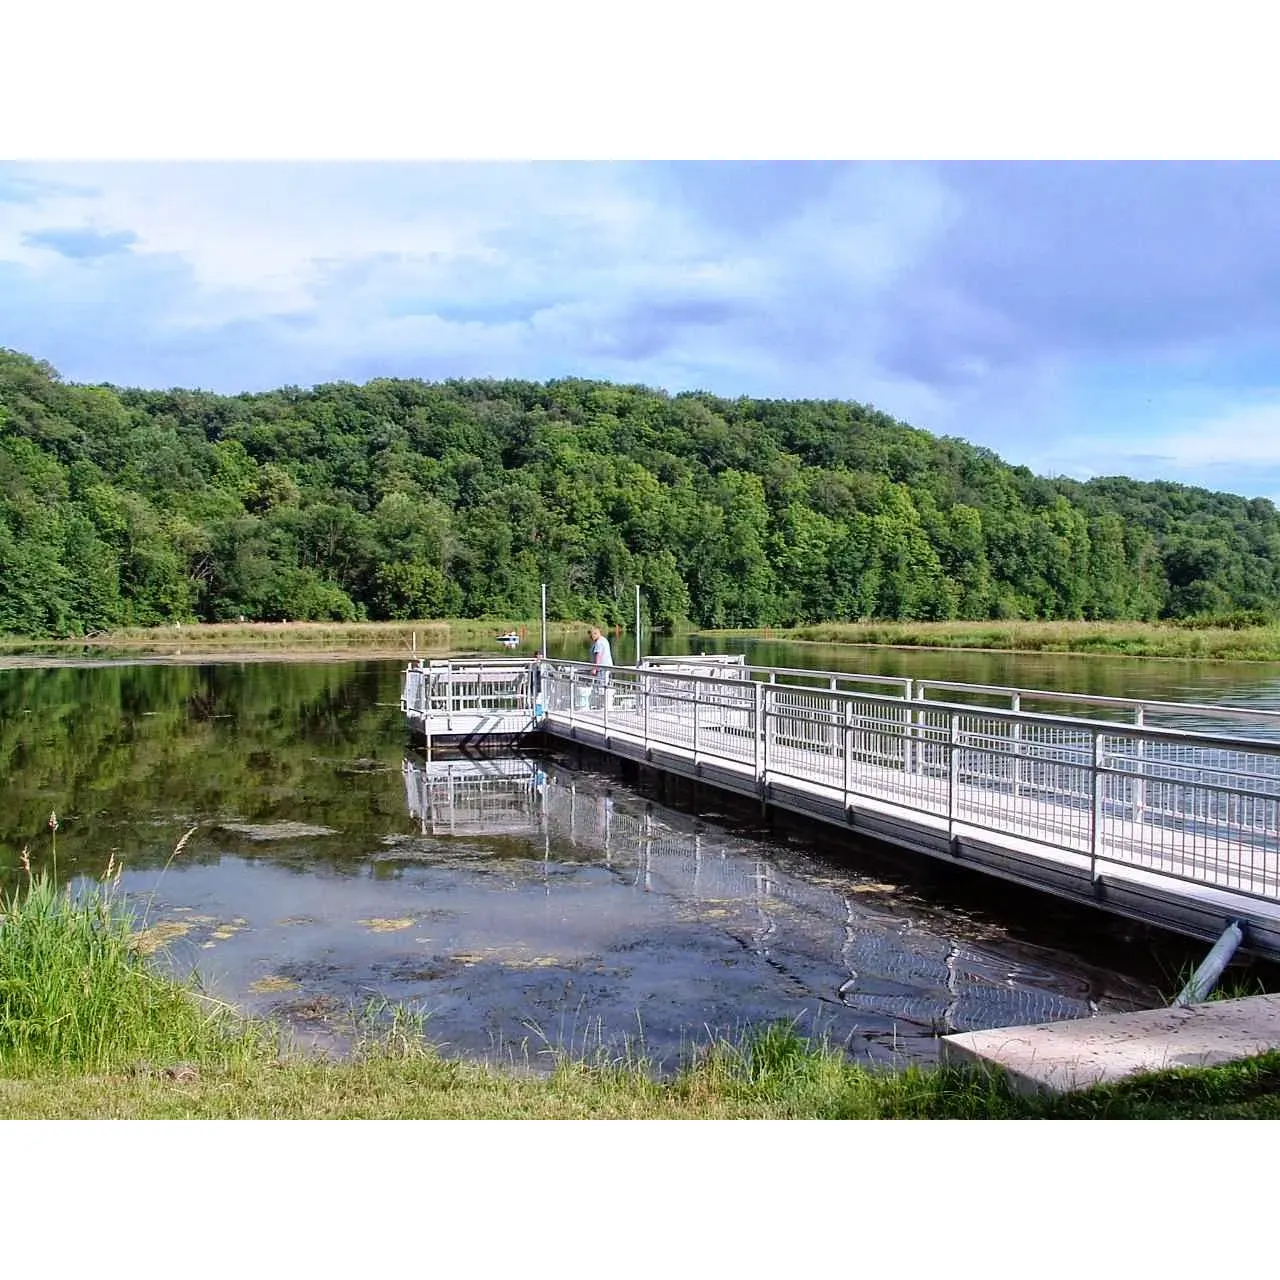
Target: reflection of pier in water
(868,959)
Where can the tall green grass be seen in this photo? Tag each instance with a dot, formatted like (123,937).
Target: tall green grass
(1132,639)
(77,995)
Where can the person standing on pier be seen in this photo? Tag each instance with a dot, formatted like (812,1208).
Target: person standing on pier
(601,661)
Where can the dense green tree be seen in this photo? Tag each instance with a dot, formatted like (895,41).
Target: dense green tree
(401,499)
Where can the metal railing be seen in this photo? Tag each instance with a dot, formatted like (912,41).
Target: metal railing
(1198,807)
(445,694)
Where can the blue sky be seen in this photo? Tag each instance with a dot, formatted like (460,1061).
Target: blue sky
(1080,319)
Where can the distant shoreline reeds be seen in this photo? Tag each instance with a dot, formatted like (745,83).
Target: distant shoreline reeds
(1249,643)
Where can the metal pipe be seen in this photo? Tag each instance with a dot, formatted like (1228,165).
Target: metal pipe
(1098,778)
(1206,976)
(758,727)
(544,619)
(909,749)
(953,769)
(1140,782)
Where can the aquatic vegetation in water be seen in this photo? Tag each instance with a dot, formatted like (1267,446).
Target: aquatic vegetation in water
(148,941)
(275,830)
(273,982)
(379,925)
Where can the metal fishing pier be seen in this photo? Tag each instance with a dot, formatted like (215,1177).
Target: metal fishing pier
(1115,806)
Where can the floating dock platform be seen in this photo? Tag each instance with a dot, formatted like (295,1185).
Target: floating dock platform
(1121,806)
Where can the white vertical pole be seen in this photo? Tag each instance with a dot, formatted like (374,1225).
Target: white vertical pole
(637,624)
(1139,782)
(1015,703)
(953,768)
(848,752)
(909,749)
(758,726)
(544,619)
(1095,824)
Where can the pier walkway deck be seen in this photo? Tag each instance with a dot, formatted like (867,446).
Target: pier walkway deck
(1113,807)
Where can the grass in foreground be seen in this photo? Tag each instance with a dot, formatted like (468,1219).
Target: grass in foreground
(1133,639)
(793,1081)
(88,1029)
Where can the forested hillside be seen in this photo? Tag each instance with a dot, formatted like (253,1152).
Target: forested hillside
(405,499)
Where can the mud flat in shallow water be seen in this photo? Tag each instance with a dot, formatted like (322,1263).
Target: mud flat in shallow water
(274,830)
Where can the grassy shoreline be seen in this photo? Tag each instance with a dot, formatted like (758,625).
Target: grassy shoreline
(1120,639)
(90,1029)
(250,641)
(256,641)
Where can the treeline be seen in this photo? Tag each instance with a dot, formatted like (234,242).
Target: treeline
(406,499)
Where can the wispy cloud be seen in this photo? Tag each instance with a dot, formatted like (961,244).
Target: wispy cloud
(1234,449)
(80,242)
(18,189)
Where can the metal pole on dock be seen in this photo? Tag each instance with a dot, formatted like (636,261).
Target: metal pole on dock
(637,624)
(544,620)
(1206,976)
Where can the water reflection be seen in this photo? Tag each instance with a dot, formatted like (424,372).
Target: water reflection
(798,940)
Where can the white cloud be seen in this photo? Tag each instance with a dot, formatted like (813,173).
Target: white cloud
(832,282)
(1244,436)
(596,260)
(1236,449)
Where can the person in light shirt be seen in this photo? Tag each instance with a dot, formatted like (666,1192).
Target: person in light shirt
(601,661)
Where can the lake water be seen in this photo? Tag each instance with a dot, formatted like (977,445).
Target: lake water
(523,904)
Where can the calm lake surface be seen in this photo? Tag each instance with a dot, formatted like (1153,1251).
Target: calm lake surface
(523,904)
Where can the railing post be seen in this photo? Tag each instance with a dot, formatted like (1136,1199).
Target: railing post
(1015,704)
(953,767)
(448,698)
(1140,782)
(696,701)
(1095,825)
(848,748)
(764,734)
(644,685)
(909,751)
(757,729)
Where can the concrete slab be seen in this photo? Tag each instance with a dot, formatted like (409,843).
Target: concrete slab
(1059,1057)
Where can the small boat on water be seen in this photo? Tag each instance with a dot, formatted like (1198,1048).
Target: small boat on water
(509,640)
